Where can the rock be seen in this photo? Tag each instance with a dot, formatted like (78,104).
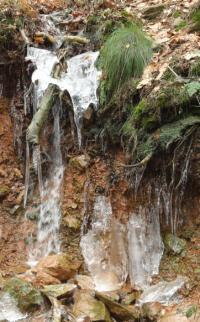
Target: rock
(153,12)
(60,266)
(59,290)
(88,116)
(130,298)
(174,318)
(173,244)
(27,297)
(152,310)
(87,306)
(81,162)
(43,278)
(4,191)
(119,311)
(85,282)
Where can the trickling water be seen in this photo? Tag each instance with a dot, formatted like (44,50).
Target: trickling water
(9,310)
(50,213)
(103,248)
(81,79)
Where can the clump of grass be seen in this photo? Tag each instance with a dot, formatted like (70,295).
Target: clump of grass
(125,54)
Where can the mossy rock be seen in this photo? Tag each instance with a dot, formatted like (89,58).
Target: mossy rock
(4,191)
(119,311)
(87,305)
(173,244)
(28,298)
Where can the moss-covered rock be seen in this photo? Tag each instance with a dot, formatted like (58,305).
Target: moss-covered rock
(87,306)
(173,244)
(28,298)
(4,191)
(119,311)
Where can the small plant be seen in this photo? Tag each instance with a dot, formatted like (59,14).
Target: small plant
(125,55)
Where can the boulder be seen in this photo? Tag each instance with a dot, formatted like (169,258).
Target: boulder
(119,311)
(61,266)
(86,306)
(27,297)
(59,290)
(173,244)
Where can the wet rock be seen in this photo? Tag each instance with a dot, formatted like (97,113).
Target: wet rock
(58,291)
(81,162)
(119,311)
(88,116)
(4,191)
(130,298)
(173,244)
(85,282)
(87,306)
(60,266)
(27,297)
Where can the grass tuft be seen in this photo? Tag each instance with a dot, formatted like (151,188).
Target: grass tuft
(125,54)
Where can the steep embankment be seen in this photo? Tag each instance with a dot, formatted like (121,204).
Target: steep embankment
(140,148)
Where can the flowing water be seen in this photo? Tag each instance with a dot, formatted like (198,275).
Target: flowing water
(9,310)
(80,80)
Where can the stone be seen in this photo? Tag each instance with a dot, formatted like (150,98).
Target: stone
(152,310)
(174,318)
(153,12)
(27,297)
(43,278)
(85,282)
(119,311)
(88,116)
(80,162)
(87,306)
(59,290)
(60,266)
(4,191)
(130,298)
(173,244)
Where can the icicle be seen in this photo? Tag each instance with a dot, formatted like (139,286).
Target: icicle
(27,173)
(103,248)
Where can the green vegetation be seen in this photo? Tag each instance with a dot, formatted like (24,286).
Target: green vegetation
(125,55)
(196,19)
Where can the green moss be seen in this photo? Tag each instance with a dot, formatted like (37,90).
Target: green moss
(27,297)
(195,68)
(196,19)
(177,14)
(172,132)
(183,24)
